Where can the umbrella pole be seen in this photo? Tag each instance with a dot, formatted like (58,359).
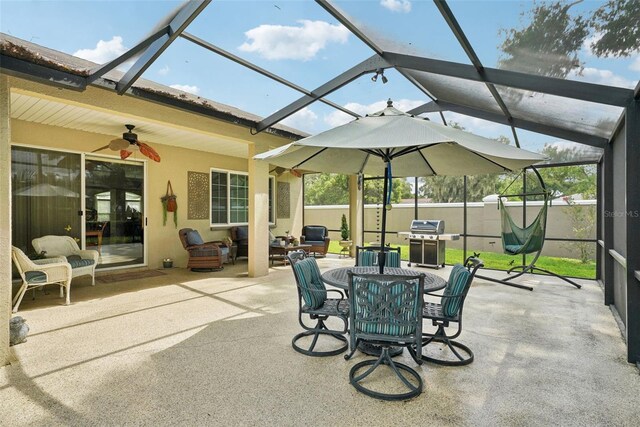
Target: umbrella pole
(382,256)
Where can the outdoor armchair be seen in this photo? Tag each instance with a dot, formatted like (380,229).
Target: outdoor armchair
(313,302)
(449,310)
(202,255)
(41,272)
(386,310)
(83,262)
(240,238)
(317,236)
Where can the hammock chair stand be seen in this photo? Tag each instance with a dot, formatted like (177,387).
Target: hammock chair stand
(527,240)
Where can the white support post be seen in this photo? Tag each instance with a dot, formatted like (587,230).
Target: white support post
(5,218)
(258,212)
(355,213)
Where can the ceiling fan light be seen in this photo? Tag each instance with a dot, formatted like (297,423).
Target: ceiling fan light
(118,144)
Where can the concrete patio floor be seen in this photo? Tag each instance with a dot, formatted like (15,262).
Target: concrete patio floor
(215,349)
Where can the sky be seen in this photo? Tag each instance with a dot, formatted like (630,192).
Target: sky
(299,41)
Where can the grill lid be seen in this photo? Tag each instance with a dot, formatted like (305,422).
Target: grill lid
(427,226)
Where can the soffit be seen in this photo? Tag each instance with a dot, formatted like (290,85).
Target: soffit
(32,108)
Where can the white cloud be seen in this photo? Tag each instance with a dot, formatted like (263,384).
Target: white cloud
(187,88)
(164,70)
(586,44)
(473,125)
(604,77)
(338,118)
(304,120)
(396,5)
(104,51)
(300,43)
(635,65)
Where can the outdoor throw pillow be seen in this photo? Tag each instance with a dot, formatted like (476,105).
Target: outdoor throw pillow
(451,298)
(312,287)
(193,238)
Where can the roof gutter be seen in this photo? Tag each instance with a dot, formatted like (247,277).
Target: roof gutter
(54,74)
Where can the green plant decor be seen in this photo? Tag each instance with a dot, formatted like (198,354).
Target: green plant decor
(344,228)
(164,214)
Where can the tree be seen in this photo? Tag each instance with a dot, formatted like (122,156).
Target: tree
(333,189)
(568,180)
(326,189)
(374,190)
(549,44)
(344,228)
(583,223)
(449,189)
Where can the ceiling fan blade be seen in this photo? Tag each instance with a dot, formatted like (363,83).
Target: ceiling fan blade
(146,150)
(124,154)
(101,148)
(118,144)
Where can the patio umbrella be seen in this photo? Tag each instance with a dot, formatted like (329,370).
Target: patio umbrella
(402,145)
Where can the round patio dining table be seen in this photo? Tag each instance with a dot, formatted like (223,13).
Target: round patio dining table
(339,277)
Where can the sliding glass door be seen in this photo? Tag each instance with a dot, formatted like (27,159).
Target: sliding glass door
(114,210)
(46,195)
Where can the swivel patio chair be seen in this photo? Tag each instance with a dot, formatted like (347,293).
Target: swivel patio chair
(313,302)
(446,351)
(386,310)
(368,256)
(41,272)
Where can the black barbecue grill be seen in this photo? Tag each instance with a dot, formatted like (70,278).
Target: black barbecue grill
(427,242)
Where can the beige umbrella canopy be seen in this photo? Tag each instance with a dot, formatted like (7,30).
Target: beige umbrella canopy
(414,146)
(401,145)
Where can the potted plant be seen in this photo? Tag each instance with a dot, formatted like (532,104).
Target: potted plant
(344,228)
(345,243)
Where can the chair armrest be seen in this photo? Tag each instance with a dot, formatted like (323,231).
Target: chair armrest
(205,250)
(88,254)
(52,260)
(337,291)
(206,245)
(55,271)
(444,296)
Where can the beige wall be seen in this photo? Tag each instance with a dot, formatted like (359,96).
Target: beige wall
(482,219)
(293,223)
(5,221)
(162,241)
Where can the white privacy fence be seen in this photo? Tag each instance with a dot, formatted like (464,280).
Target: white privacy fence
(564,221)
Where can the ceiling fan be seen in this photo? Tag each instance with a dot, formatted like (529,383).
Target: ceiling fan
(129,143)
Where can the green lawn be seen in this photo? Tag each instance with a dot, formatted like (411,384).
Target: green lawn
(563,266)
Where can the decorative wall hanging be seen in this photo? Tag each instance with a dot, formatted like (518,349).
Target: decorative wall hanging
(197,195)
(284,200)
(169,204)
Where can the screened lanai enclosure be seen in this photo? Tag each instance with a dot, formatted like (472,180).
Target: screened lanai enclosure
(543,89)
